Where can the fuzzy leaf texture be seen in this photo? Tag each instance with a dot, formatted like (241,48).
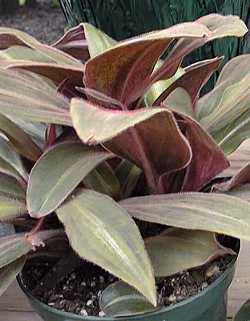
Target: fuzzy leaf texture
(101,231)
(57,173)
(197,211)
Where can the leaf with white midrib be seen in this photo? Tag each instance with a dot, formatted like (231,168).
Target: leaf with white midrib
(199,211)
(100,231)
(58,172)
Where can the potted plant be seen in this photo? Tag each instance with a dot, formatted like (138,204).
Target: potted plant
(110,157)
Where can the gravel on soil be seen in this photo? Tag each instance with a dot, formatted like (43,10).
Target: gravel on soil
(42,20)
(80,290)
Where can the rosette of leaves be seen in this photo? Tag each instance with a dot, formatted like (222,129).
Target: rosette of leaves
(96,133)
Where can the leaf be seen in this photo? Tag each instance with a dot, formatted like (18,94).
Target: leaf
(197,211)
(128,175)
(57,173)
(120,299)
(160,86)
(180,101)
(199,72)
(11,37)
(29,101)
(177,250)
(102,232)
(129,135)
(11,187)
(11,208)
(9,273)
(126,67)
(19,139)
(218,26)
(97,40)
(244,313)
(238,159)
(56,73)
(22,53)
(238,185)
(103,180)
(240,178)
(6,168)
(207,160)
(224,111)
(73,42)
(9,156)
(233,102)
(15,246)
(12,198)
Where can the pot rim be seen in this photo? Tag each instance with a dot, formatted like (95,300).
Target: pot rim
(129,317)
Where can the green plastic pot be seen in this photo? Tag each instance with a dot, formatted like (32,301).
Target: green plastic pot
(209,305)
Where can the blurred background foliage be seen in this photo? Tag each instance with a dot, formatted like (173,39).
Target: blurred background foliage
(8,6)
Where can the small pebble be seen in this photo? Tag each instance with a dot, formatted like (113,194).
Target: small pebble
(101,314)
(212,270)
(83,312)
(89,302)
(172,298)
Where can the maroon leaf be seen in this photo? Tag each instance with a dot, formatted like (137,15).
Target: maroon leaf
(218,27)
(122,72)
(194,78)
(148,137)
(74,43)
(57,73)
(208,160)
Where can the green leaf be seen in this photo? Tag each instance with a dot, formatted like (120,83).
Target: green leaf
(23,53)
(160,86)
(11,208)
(15,246)
(224,111)
(103,180)
(120,299)
(9,156)
(178,250)
(180,101)
(199,72)
(12,198)
(238,159)
(244,313)
(198,211)
(13,37)
(102,232)
(57,173)
(7,169)
(9,273)
(97,40)
(128,175)
(11,187)
(25,98)
(19,139)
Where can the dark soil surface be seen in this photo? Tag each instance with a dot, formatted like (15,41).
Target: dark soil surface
(79,291)
(43,21)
